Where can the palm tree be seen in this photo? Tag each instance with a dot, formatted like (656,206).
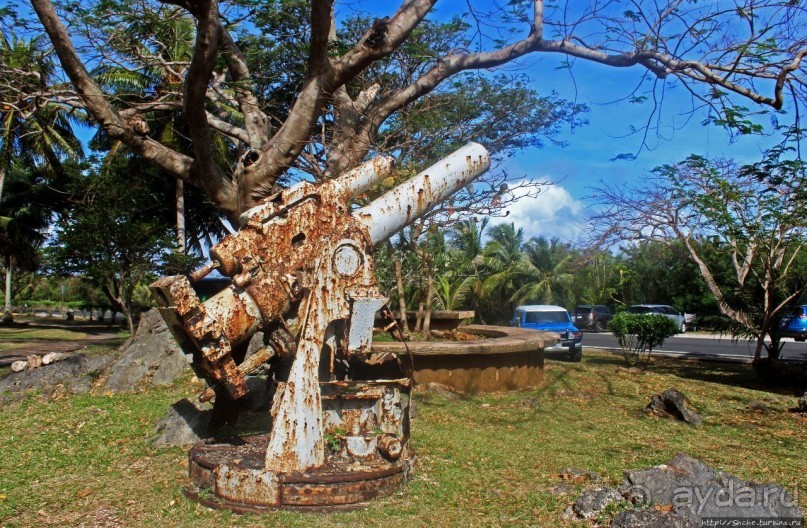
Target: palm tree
(459,284)
(548,271)
(504,264)
(36,135)
(34,129)
(168,46)
(467,237)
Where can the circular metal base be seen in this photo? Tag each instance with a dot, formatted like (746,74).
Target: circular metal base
(230,474)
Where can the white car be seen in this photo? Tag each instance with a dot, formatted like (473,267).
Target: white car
(661,309)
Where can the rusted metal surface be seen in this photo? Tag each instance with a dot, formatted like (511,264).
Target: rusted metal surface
(327,488)
(416,196)
(367,456)
(200,334)
(302,256)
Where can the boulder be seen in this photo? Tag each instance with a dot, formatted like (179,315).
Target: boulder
(802,407)
(185,424)
(75,375)
(188,422)
(150,357)
(651,518)
(672,403)
(682,494)
(592,501)
(695,490)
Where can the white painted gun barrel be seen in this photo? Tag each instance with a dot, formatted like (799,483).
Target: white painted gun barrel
(366,175)
(389,213)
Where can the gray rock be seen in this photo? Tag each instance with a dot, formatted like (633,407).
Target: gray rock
(758,406)
(652,519)
(186,424)
(803,403)
(74,375)
(258,398)
(414,410)
(672,403)
(150,357)
(594,500)
(695,490)
(562,489)
(569,516)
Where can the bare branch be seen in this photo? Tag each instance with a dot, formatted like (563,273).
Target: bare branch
(95,102)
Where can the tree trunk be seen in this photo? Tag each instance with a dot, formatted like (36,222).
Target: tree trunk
(758,349)
(419,318)
(7,315)
(113,295)
(399,285)
(180,199)
(427,317)
(129,320)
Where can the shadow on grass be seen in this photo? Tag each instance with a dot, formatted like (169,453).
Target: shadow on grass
(736,375)
(732,374)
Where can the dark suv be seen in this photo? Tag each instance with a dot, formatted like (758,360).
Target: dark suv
(592,317)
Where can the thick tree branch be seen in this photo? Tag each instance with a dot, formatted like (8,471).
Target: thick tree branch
(255,121)
(234,132)
(382,39)
(97,105)
(200,72)
(320,31)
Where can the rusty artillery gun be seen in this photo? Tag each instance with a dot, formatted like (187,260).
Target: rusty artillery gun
(303,287)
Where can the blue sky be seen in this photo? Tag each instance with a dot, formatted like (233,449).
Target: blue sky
(586,160)
(562,209)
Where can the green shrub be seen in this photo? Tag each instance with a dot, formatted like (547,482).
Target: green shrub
(639,334)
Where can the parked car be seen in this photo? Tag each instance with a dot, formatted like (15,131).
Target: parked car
(794,323)
(661,309)
(592,317)
(552,318)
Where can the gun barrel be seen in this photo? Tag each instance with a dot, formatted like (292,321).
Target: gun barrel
(400,206)
(366,175)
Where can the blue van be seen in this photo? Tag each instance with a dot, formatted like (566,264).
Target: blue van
(550,318)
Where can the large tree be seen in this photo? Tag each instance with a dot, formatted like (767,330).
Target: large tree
(756,217)
(36,140)
(116,232)
(282,105)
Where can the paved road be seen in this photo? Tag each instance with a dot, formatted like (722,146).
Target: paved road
(701,345)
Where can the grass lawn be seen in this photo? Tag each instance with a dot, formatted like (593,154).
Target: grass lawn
(40,333)
(483,460)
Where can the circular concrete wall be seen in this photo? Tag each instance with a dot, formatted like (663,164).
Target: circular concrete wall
(506,359)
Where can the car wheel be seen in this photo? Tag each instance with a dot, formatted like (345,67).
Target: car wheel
(598,327)
(575,354)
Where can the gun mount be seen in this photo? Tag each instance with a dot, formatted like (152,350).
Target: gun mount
(303,297)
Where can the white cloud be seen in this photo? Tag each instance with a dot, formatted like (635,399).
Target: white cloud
(553,213)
